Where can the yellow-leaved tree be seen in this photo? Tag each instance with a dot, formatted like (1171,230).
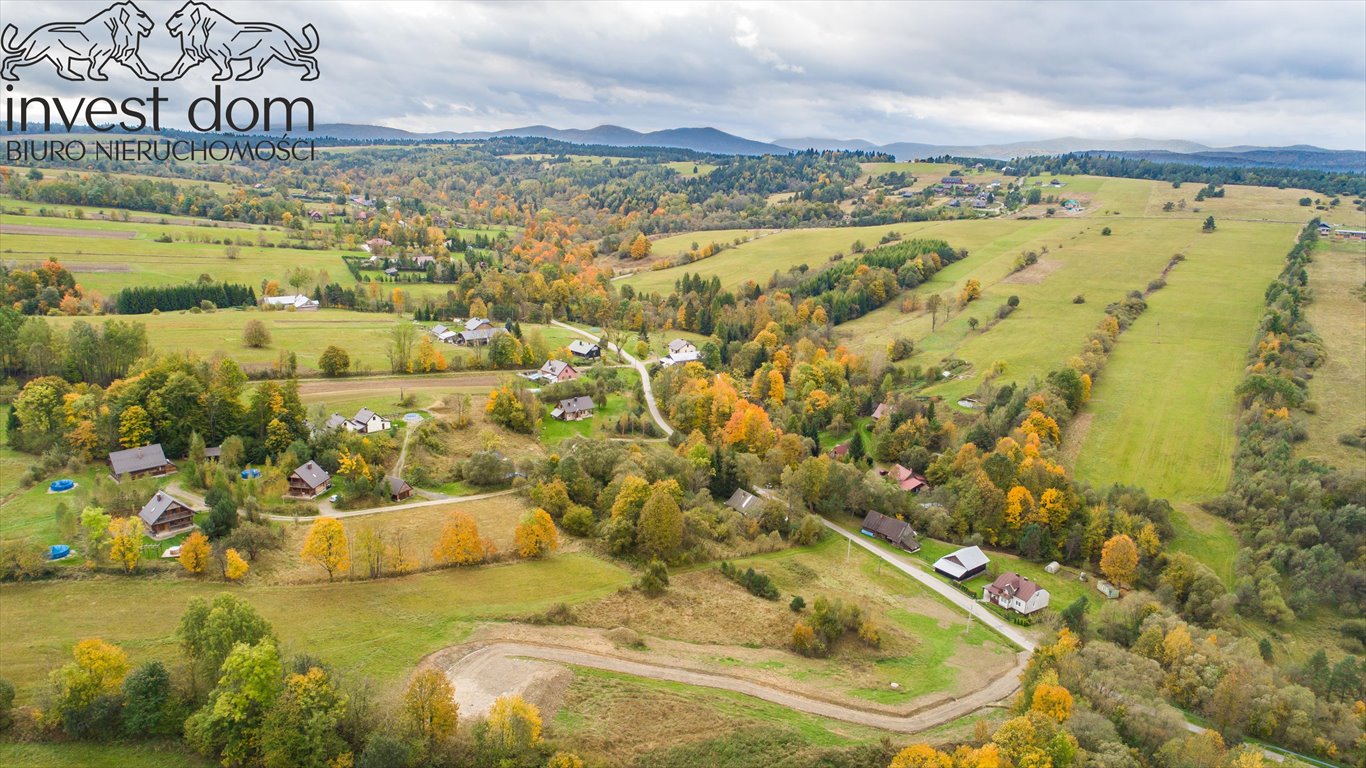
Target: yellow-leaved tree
(135,427)
(125,547)
(429,706)
(460,543)
(1119,559)
(536,535)
(194,553)
(326,546)
(234,567)
(1052,700)
(514,724)
(97,669)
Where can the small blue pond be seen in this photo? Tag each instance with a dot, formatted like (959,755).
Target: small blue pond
(58,486)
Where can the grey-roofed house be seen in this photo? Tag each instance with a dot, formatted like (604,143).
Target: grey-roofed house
(399,488)
(681,345)
(574,409)
(143,461)
(309,481)
(891,530)
(477,337)
(164,514)
(744,502)
(963,564)
(368,422)
(580,348)
(556,371)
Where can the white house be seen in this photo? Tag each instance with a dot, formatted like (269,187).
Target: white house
(366,422)
(681,345)
(1016,593)
(963,564)
(297,302)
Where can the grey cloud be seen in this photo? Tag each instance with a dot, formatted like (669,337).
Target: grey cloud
(1224,73)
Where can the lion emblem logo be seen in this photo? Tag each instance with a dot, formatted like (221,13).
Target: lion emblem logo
(114,34)
(207,35)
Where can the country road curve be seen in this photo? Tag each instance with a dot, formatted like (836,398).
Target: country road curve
(999,688)
(640,368)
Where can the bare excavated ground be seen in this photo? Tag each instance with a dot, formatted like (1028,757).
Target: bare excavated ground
(1034,273)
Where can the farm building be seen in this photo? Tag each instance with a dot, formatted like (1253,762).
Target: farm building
(442,333)
(744,502)
(297,302)
(556,371)
(164,514)
(399,488)
(880,411)
(1016,593)
(477,331)
(963,564)
(144,461)
(907,480)
(574,409)
(1350,234)
(585,349)
(682,356)
(1107,589)
(309,481)
(681,346)
(891,530)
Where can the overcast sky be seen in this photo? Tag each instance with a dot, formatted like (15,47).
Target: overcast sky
(969,72)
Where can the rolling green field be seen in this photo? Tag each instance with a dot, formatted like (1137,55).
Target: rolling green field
(1163,411)
(554,431)
(404,618)
(1338,314)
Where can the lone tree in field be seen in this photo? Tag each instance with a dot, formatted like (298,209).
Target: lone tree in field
(326,546)
(1209,224)
(255,334)
(1119,560)
(334,361)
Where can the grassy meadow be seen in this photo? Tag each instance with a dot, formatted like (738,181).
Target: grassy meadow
(1338,314)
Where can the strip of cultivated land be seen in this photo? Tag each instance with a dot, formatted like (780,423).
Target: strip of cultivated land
(1338,314)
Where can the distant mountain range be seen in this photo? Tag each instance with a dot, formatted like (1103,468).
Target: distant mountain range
(719,142)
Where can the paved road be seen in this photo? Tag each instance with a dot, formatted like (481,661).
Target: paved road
(939,714)
(640,368)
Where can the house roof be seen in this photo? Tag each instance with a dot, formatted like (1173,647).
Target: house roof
(685,356)
(397,485)
(215,452)
(312,474)
(153,510)
(553,368)
(474,323)
(840,450)
(879,411)
(482,333)
(743,501)
(291,300)
(364,415)
(678,345)
(908,480)
(1012,584)
(138,459)
(576,404)
(581,347)
(334,421)
(890,527)
(962,561)
(439,329)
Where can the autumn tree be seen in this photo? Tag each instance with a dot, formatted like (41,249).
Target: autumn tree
(535,535)
(95,527)
(194,553)
(255,334)
(125,545)
(459,543)
(659,532)
(229,723)
(514,724)
(429,708)
(326,546)
(301,729)
(1052,700)
(135,427)
(1119,559)
(234,567)
(96,671)
(921,756)
(972,290)
(640,247)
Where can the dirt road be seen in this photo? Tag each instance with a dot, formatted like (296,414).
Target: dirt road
(472,668)
(640,368)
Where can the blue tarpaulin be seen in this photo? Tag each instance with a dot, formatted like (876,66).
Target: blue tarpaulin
(58,551)
(251,472)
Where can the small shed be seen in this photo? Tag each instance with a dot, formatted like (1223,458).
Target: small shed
(1052,567)
(1107,589)
(399,488)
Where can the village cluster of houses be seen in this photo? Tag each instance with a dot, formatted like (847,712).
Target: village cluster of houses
(1339,233)
(476,332)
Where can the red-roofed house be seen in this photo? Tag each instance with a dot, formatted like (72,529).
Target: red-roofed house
(908,480)
(1016,593)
